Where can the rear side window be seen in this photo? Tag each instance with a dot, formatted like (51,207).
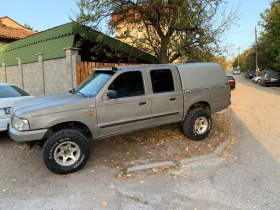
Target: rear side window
(128,84)
(269,75)
(162,80)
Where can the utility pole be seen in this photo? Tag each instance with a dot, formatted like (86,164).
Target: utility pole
(238,56)
(257,67)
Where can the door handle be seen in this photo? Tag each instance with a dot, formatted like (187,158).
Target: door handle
(142,103)
(172,99)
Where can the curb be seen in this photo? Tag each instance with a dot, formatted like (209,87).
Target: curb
(150,166)
(217,152)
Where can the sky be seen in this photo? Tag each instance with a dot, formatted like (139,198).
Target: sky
(45,14)
(243,33)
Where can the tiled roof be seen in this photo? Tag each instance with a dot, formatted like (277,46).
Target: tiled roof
(14,33)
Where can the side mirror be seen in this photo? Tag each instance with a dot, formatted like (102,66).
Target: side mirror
(112,94)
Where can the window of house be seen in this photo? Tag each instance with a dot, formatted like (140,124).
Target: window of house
(137,34)
(128,84)
(162,80)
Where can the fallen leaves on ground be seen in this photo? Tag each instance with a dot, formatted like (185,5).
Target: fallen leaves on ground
(159,144)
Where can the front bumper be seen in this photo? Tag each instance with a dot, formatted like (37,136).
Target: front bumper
(30,135)
(4,123)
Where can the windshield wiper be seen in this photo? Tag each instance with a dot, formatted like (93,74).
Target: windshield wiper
(82,94)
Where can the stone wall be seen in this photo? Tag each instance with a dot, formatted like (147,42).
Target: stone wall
(43,77)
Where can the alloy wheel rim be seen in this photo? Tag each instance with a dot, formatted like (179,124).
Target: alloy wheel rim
(67,153)
(200,125)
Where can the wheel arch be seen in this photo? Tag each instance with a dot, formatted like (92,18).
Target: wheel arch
(201,104)
(75,125)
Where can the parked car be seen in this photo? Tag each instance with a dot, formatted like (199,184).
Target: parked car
(250,74)
(236,71)
(257,79)
(232,82)
(247,75)
(8,95)
(271,79)
(118,100)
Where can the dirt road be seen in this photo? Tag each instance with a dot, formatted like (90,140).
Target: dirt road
(259,109)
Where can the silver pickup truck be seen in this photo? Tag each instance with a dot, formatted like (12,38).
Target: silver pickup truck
(120,100)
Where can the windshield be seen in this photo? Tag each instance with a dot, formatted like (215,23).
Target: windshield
(7,91)
(93,84)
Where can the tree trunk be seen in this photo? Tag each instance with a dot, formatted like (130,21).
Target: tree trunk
(163,50)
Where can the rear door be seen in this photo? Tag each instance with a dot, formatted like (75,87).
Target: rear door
(131,110)
(166,95)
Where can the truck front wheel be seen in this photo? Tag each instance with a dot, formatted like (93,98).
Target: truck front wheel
(66,151)
(197,124)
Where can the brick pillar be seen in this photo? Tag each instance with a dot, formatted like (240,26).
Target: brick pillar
(4,70)
(41,67)
(72,56)
(21,71)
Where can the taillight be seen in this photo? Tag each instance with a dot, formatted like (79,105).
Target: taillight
(265,79)
(231,81)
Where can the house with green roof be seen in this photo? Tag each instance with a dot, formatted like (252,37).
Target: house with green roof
(45,62)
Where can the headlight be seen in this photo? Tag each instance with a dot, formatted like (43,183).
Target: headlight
(20,124)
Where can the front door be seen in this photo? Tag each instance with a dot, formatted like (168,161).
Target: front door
(131,109)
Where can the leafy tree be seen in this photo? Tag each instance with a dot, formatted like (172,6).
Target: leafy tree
(27,26)
(270,35)
(222,61)
(247,59)
(172,28)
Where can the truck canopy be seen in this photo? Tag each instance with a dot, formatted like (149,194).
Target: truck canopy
(201,75)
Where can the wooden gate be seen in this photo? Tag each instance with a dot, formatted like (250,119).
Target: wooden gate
(84,69)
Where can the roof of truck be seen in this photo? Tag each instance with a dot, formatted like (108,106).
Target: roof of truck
(178,65)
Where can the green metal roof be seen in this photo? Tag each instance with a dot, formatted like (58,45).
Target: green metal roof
(51,49)
(51,43)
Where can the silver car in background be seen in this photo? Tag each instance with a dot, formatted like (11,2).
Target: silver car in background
(9,94)
(257,79)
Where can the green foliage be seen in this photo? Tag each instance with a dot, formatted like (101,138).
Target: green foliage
(27,26)
(247,60)
(270,35)
(173,29)
(268,44)
(222,61)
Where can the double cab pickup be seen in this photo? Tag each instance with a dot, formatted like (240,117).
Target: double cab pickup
(118,100)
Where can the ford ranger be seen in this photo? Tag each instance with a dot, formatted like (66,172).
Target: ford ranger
(118,100)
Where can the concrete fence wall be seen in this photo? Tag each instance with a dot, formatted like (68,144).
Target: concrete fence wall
(43,77)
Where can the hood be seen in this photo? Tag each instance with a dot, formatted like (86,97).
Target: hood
(8,102)
(48,104)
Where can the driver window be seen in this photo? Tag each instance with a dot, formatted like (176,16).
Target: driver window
(128,84)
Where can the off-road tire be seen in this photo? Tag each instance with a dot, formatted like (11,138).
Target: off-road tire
(56,148)
(189,124)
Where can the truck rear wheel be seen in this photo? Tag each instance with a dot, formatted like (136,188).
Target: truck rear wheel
(197,124)
(66,151)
